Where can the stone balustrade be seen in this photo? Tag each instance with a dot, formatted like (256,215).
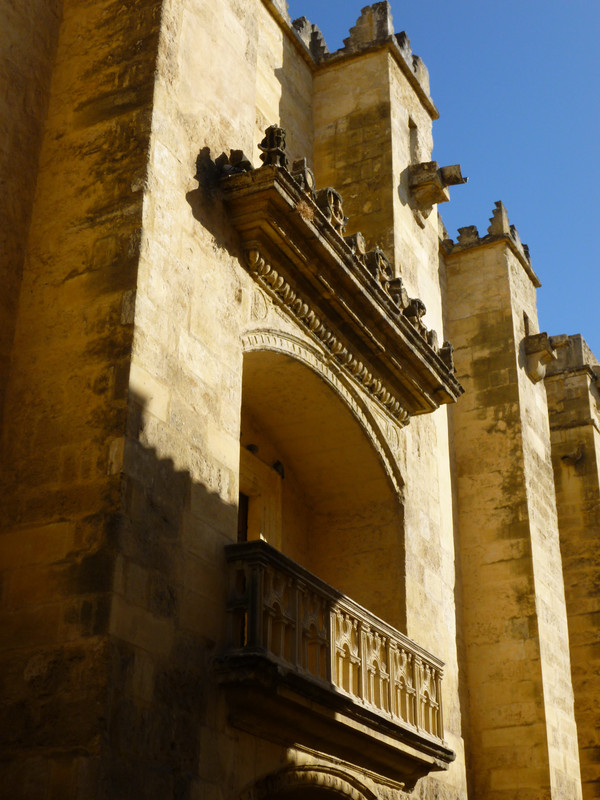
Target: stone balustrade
(282,612)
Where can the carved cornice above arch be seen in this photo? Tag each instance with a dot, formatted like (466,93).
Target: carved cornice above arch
(347,298)
(281,291)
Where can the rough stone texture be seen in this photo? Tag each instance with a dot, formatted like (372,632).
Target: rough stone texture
(65,406)
(27,48)
(145,354)
(515,621)
(574,402)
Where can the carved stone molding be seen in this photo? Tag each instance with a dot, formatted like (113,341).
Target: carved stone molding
(335,781)
(280,290)
(348,298)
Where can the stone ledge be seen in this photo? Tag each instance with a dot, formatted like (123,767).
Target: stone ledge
(273,703)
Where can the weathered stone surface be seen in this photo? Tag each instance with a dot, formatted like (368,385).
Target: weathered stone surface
(162,402)
(574,403)
(516,641)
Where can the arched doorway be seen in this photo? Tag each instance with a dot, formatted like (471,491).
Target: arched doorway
(308,783)
(313,484)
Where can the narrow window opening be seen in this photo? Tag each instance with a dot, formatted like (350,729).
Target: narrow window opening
(413,132)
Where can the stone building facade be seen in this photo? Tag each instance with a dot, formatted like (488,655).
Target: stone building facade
(298,502)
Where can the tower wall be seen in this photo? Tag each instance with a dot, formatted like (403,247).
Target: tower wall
(65,409)
(573,402)
(27,50)
(515,622)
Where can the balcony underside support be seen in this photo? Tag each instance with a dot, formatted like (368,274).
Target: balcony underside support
(279,705)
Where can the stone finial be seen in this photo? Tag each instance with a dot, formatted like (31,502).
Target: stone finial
(378,265)
(357,244)
(312,37)
(395,289)
(273,147)
(446,353)
(304,176)
(403,43)
(374,25)
(500,226)
(468,235)
(330,203)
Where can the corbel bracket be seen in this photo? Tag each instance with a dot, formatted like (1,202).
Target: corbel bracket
(539,352)
(429,184)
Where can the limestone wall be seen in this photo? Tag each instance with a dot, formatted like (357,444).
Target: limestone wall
(27,48)
(222,72)
(515,631)
(139,369)
(573,406)
(66,398)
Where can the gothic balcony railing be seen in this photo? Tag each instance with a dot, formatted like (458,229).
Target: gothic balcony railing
(324,644)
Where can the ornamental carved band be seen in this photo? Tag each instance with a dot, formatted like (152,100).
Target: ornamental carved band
(281,291)
(347,297)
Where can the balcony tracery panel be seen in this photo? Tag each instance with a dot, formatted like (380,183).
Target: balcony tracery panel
(287,628)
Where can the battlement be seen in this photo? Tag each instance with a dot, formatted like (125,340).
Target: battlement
(573,354)
(374,28)
(312,37)
(499,228)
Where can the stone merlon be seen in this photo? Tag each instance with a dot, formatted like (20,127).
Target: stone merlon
(572,355)
(498,229)
(373,29)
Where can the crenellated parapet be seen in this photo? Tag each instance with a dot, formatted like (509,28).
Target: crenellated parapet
(499,229)
(347,298)
(312,37)
(373,29)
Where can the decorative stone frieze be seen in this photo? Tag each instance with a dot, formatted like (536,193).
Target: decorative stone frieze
(281,290)
(298,649)
(347,297)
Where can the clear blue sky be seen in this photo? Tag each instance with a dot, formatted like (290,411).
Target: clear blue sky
(517,84)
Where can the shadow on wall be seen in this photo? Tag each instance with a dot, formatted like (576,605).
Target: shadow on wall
(168,614)
(207,204)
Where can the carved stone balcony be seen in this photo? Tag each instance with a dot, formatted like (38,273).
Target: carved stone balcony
(306,664)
